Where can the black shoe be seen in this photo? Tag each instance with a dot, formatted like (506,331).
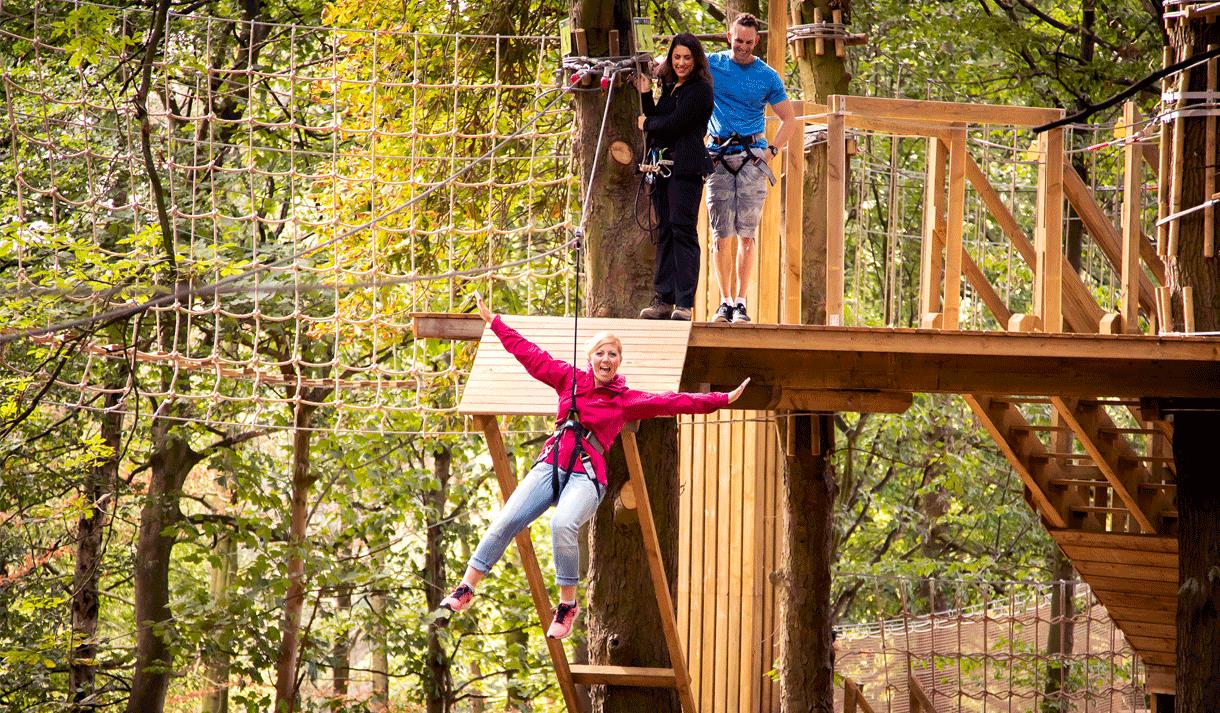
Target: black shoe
(724,313)
(739,314)
(659,309)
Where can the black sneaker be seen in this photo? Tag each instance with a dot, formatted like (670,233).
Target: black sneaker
(724,313)
(739,314)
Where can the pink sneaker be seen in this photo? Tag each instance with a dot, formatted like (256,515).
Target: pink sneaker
(565,617)
(460,599)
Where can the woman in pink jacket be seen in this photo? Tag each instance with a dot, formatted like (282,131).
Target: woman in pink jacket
(574,485)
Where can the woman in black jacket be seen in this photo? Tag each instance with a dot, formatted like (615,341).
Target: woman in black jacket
(676,126)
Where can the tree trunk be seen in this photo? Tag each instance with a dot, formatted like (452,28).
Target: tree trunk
(821,76)
(438,677)
(340,653)
(171,461)
(1198,622)
(1060,637)
(1198,497)
(623,618)
(806,646)
(379,659)
(218,663)
(99,483)
(294,599)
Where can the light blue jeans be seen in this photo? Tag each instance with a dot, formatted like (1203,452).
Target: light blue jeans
(578,500)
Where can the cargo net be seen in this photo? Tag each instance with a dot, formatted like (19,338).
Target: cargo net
(285,196)
(984,646)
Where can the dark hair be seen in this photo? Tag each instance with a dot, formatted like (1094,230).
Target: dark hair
(745,19)
(700,71)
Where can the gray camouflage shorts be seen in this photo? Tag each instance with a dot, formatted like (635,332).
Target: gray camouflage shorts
(734,203)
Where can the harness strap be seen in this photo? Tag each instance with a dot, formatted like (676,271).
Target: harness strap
(583,436)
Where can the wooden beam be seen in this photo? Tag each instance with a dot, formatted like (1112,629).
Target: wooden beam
(853,698)
(930,259)
(1129,277)
(529,560)
(836,211)
(656,568)
(1107,237)
(637,676)
(919,701)
(950,112)
(1160,679)
(1117,541)
(794,210)
(441,325)
(1048,239)
(954,227)
(1026,455)
(1209,164)
(1086,421)
(838,400)
(1081,311)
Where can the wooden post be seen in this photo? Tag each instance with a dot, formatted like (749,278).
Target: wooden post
(656,568)
(954,228)
(794,208)
(766,286)
(1163,170)
(836,15)
(1048,243)
(529,561)
(1188,308)
(836,214)
(1177,161)
(1129,292)
(819,44)
(798,47)
(933,211)
(1164,310)
(1209,166)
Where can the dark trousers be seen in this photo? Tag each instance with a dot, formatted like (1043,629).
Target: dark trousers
(676,271)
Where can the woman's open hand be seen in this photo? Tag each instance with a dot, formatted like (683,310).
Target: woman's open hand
(642,81)
(736,393)
(486,313)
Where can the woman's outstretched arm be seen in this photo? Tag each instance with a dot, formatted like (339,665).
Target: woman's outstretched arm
(538,363)
(639,405)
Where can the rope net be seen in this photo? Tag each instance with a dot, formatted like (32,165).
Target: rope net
(319,160)
(987,646)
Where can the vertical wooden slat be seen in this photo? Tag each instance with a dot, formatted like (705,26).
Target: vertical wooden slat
(757,570)
(656,569)
(933,217)
(1177,165)
(1209,165)
(724,507)
(1188,308)
(836,210)
(704,289)
(1133,170)
(711,521)
(738,473)
(765,286)
(1164,177)
(685,462)
(529,560)
(794,192)
(954,227)
(698,547)
(1048,246)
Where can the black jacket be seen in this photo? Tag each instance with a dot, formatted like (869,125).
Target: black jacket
(678,123)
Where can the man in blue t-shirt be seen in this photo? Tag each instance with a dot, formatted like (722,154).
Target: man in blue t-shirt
(743,87)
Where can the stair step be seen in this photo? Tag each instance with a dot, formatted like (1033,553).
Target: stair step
(1148,459)
(1098,509)
(1079,482)
(1128,431)
(1042,429)
(1157,485)
(589,675)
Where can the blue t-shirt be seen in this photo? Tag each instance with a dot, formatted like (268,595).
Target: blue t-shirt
(742,93)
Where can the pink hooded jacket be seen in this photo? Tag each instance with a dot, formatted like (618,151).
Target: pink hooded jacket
(604,410)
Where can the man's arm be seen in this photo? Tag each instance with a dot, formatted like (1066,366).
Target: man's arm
(786,123)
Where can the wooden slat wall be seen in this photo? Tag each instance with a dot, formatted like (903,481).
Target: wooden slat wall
(729,532)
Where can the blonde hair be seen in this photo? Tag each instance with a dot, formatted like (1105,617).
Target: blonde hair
(601,338)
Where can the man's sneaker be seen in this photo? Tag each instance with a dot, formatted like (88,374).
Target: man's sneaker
(724,313)
(565,617)
(460,599)
(739,314)
(657,310)
(681,314)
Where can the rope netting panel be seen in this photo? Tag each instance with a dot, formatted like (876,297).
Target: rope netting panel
(886,197)
(332,180)
(988,646)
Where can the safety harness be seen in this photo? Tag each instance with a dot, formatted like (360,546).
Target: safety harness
(722,147)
